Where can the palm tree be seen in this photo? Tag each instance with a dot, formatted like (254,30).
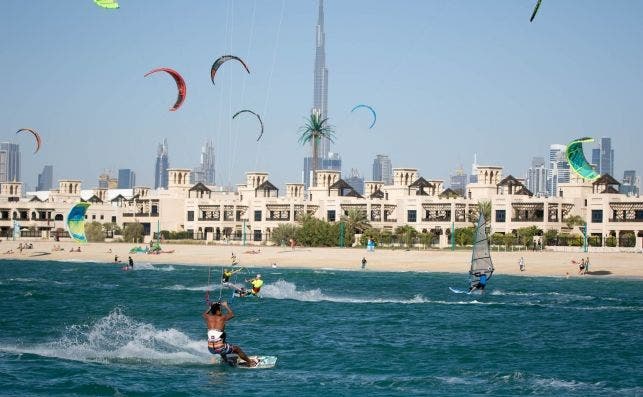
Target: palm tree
(485,208)
(313,131)
(356,221)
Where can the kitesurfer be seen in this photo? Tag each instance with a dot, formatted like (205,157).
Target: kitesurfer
(227,273)
(215,321)
(256,283)
(480,284)
(130,262)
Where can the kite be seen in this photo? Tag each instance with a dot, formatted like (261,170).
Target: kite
(578,162)
(533,14)
(221,60)
(76,222)
(109,4)
(258,118)
(180,85)
(372,111)
(35,134)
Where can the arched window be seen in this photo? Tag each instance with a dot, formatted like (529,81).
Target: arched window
(58,217)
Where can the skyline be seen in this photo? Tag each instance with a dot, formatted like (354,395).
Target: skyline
(493,82)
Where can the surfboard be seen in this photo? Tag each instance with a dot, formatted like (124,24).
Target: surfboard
(264,361)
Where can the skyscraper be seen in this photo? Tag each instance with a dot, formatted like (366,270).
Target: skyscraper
(205,172)
(630,183)
(46,178)
(9,162)
(320,88)
(473,178)
(126,178)
(606,165)
(327,160)
(161,166)
(558,169)
(459,181)
(536,178)
(356,181)
(383,169)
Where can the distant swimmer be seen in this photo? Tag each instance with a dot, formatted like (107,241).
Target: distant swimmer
(256,283)
(215,321)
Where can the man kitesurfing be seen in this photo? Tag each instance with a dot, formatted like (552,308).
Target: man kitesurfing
(215,321)
(256,283)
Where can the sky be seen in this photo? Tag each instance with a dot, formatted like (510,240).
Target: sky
(447,79)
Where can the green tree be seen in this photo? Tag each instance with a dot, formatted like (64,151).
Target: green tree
(373,234)
(551,237)
(110,228)
(94,232)
(317,233)
(406,234)
(574,220)
(133,232)
(283,233)
(464,236)
(497,239)
(356,222)
(313,131)
(508,240)
(526,234)
(485,208)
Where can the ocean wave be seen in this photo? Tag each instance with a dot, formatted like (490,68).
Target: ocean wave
(149,266)
(118,338)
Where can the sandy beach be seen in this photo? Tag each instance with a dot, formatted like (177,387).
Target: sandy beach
(545,263)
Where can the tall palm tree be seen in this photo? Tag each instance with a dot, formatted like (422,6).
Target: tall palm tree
(313,131)
(485,208)
(356,221)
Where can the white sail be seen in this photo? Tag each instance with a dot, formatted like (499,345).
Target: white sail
(480,258)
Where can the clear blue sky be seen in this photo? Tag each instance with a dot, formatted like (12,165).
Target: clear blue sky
(447,78)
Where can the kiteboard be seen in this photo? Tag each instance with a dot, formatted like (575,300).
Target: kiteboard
(459,291)
(264,361)
(126,268)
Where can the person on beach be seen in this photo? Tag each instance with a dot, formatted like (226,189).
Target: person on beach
(581,267)
(587,265)
(130,262)
(256,283)
(521,263)
(234,260)
(215,321)
(116,259)
(363,262)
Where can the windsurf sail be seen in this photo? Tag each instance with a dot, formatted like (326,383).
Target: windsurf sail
(481,264)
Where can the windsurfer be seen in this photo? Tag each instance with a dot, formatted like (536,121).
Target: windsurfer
(215,321)
(480,283)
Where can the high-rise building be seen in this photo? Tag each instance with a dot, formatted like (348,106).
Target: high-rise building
(126,178)
(205,172)
(458,181)
(46,178)
(107,181)
(9,162)
(332,162)
(320,87)
(161,166)
(630,183)
(536,178)
(383,169)
(473,178)
(596,159)
(327,159)
(606,162)
(356,181)
(558,170)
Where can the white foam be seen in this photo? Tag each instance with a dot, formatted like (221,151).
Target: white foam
(286,290)
(118,338)
(149,266)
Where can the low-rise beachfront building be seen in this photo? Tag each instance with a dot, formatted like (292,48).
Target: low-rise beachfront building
(251,213)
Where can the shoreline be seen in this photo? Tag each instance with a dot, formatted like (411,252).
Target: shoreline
(538,263)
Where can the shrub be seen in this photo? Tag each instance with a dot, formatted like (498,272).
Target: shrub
(133,232)
(94,232)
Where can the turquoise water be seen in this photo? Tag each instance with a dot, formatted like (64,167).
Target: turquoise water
(92,329)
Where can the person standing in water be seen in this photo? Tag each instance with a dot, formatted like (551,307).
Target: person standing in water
(215,321)
(130,263)
(363,262)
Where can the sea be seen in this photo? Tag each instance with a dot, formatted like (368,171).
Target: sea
(92,329)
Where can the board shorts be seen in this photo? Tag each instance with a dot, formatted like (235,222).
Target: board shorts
(223,349)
